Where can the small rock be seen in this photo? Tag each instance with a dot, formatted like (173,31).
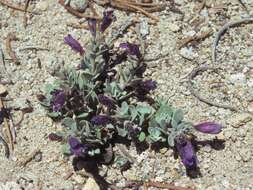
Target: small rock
(42,5)
(3,90)
(174,27)
(187,53)
(78,179)
(91,185)
(163,150)
(241,119)
(239,78)
(79,5)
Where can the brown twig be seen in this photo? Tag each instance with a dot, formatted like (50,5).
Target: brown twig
(3,2)
(30,157)
(141,10)
(25,14)
(194,38)
(11,53)
(76,13)
(222,31)
(192,75)
(78,26)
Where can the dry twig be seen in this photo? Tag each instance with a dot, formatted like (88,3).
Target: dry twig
(222,31)
(11,53)
(25,16)
(30,157)
(194,38)
(192,75)
(3,2)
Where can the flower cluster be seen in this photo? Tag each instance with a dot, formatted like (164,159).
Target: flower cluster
(106,97)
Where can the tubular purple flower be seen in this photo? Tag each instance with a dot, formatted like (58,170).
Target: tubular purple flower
(77,148)
(92,26)
(74,44)
(100,120)
(186,152)
(107,20)
(148,85)
(58,100)
(107,101)
(208,127)
(131,49)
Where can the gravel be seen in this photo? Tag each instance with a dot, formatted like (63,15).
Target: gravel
(226,166)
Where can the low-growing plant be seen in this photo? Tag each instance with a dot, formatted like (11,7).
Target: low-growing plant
(106,98)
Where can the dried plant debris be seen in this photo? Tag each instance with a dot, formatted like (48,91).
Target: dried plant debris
(106,98)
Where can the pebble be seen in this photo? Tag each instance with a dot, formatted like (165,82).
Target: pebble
(42,5)
(240,119)
(91,185)
(79,5)
(239,78)
(174,27)
(3,89)
(187,53)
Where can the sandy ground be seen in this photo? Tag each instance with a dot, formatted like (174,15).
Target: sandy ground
(222,166)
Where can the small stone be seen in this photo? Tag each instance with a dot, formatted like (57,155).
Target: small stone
(79,5)
(221,136)
(3,90)
(174,27)
(163,150)
(239,78)
(42,5)
(241,119)
(91,185)
(187,53)
(78,179)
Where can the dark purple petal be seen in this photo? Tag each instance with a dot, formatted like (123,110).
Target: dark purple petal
(55,137)
(107,20)
(131,49)
(107,101)
(186,152)
(100,120)
(77,148)
(74,44)
(92,26)
(208,127)
(148,85)
(58,100)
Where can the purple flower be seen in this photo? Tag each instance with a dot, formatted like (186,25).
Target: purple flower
(58,100)
(92,26)
(148,85)
(100,120)
(74,44)
(186,152)
(107,20)
(131,49)
(77,148)
(107,101)
(208,127)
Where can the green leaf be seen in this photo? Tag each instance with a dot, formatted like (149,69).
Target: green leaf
(82,115)
(142,137)
(164,113)
(177,118)
(154,133)
(144,109)
(70,123)
(122,132)
(66,149)
(54,114)
(124,108)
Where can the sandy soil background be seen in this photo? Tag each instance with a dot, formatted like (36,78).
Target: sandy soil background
(229,167)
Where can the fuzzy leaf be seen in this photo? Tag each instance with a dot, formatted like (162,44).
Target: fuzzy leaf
(70,123)
(178,116)
(66,149)
(142,137)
